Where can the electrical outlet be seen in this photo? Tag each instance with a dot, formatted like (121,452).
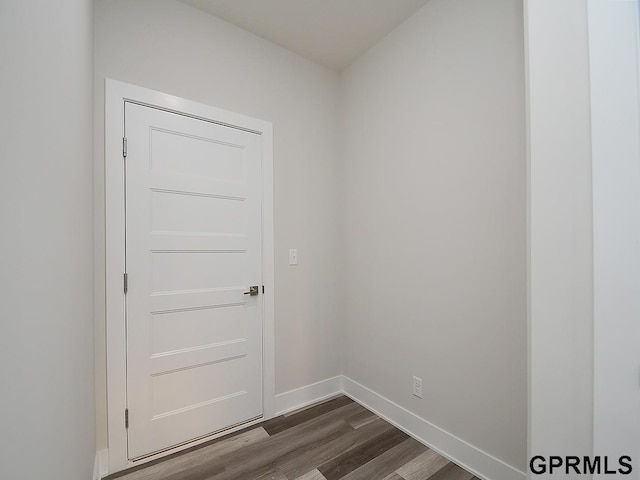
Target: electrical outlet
(417,387)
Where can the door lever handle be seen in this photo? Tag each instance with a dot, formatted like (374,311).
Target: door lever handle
(253,291)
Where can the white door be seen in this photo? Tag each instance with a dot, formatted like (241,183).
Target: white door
(193,248)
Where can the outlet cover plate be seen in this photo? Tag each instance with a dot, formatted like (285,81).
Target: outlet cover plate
(417,387)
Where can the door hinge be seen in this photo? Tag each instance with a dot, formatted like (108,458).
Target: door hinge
(262,288)
(126,282)
(124,147)
(126,418)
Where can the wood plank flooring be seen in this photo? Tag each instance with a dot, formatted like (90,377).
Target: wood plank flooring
(336,439)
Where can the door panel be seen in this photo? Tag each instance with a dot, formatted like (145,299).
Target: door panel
(172,271)
(193,246)
(185,329)
(206,214)
(167,156)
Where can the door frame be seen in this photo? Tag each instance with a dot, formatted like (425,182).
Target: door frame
(615,117)
(116,93)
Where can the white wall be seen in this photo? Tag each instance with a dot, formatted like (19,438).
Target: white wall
(46,275)
(167,46)
(560,229)
(434,168)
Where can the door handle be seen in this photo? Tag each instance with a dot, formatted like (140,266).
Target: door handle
(253,291)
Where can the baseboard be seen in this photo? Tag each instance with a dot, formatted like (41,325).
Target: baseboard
(474,460)
(303,396)
(96,468)
(101,464)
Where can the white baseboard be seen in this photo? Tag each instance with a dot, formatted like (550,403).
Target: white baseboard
(96,468)
(101,464)
(480,463)
(303,396)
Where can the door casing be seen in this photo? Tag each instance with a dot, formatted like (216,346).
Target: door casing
(116,93)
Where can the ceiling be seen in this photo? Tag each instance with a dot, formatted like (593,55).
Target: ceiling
(332,33)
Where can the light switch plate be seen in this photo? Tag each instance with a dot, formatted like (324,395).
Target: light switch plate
(293,256)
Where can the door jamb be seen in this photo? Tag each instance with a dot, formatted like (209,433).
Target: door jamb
(116,93)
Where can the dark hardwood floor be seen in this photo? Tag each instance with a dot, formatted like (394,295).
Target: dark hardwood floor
(336,439)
